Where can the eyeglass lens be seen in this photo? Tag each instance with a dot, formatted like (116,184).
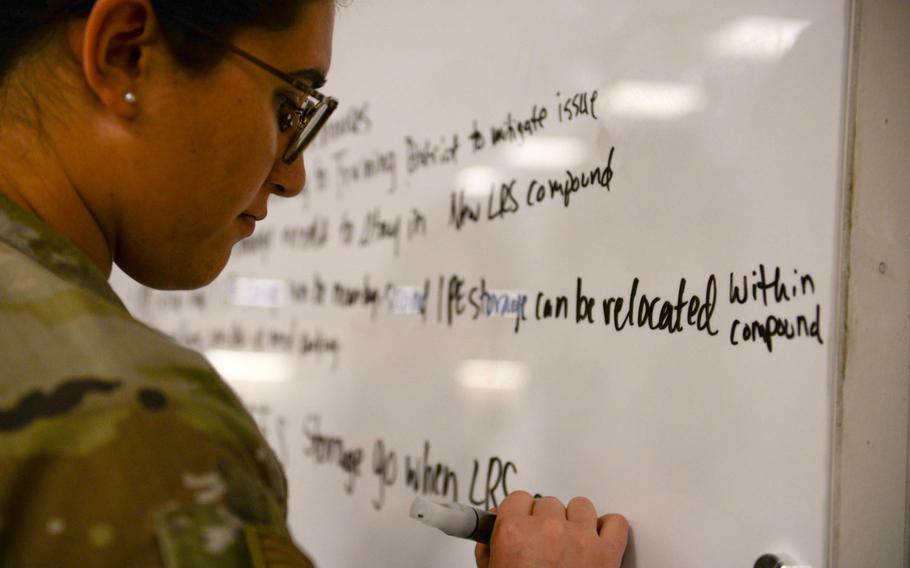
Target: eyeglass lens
(313,121)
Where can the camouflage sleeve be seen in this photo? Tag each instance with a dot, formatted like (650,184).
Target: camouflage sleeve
(107,472)
(118,448)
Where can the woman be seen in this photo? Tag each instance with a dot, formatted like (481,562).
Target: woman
(152,134)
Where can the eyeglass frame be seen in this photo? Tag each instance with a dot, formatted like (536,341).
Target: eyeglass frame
(303,114)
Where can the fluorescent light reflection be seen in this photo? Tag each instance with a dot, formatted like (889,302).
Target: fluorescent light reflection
(659,101)
(251,366)
(476,374)
(477,181)
(548,154)
(758,38)
(257,292)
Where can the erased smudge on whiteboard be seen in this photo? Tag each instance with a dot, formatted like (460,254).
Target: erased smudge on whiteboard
(257,292)
(407,300)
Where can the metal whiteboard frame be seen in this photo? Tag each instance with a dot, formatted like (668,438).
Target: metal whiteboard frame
(870,514)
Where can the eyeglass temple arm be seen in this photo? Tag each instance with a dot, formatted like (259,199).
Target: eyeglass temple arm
(248,56)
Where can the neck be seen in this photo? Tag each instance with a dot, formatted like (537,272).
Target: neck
(32,176)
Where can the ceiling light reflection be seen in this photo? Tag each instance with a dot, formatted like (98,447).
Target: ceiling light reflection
(548,154)
(758,38)
(648,100)
(476,374)
(251,366)
(478,181)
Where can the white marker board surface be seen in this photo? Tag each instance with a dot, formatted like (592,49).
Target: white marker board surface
(553,246)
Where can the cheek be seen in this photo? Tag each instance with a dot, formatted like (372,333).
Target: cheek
(239,157)
(252,135)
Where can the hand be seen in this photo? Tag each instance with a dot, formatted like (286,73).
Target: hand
(541,533)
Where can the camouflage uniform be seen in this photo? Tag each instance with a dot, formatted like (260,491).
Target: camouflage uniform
(118,448)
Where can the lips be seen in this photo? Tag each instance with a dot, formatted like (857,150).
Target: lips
(248,224)
(256,216)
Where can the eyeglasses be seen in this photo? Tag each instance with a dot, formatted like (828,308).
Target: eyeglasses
(306,121)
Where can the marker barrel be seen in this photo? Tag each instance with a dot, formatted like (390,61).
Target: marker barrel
(455,519)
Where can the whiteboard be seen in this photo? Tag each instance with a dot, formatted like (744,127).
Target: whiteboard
(559,247)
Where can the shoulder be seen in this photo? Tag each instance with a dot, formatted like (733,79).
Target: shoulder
(145,428)
(52,327)
(74,359)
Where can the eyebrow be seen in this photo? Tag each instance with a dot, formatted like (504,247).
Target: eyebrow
(314,77)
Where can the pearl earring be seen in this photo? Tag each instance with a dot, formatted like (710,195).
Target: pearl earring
(130,97)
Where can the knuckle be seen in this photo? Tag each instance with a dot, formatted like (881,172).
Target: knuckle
(614,520)
(550,501)
(620,521)
(581,501)
(517,494)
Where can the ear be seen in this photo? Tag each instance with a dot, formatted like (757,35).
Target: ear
(114,45)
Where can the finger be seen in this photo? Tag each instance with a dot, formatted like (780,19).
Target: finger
(482,555)
(517,504)
(615,530)
(582,511)
(550,507)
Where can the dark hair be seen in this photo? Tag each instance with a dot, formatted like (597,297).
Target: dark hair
(25,23)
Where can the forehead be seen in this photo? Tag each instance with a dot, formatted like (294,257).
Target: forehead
(307,44)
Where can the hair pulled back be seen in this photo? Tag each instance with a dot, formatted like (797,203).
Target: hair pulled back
(24,24)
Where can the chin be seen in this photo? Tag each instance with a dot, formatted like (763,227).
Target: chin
(181,275)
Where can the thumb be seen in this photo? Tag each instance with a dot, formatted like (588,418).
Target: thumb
(482,555)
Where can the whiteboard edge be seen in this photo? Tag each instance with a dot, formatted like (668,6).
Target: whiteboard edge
(840,327)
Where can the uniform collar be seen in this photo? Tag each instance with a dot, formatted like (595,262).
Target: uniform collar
(35,239)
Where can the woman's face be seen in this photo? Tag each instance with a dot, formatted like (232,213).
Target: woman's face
(205,155)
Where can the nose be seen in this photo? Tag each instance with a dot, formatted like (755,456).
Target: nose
(288,179)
